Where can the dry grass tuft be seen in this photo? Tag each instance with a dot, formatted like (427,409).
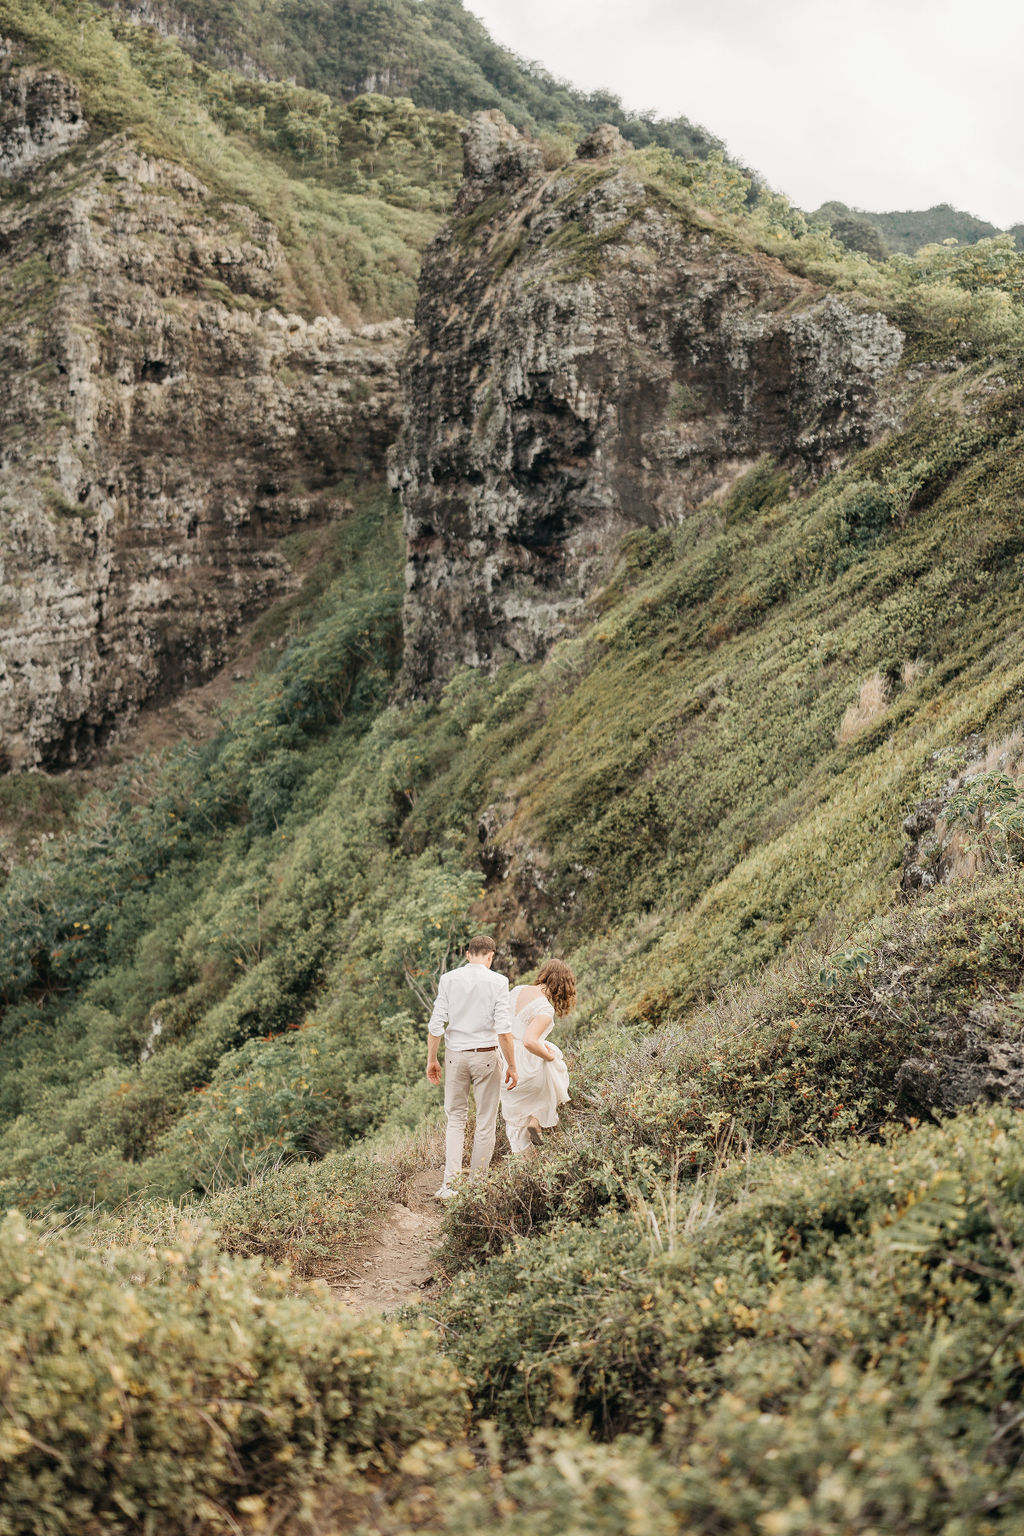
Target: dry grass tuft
(963,857)
(961,860)
(872,701)
(1006,756)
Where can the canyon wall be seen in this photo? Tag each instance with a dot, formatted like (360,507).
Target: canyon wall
(587,359)
(164,424)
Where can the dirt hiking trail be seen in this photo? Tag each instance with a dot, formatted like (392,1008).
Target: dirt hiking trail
(396,1267)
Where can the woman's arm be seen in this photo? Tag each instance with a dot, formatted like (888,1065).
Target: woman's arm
(532,1041)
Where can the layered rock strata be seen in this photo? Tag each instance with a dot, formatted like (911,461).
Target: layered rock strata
(163,426)
(589,358)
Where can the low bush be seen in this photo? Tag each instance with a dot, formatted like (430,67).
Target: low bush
(579,1176)
(174,1389)
(874,1299)
(308,1214)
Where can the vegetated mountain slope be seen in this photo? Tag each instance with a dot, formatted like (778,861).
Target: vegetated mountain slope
(880,234)
(216,987)
(434,51)
(717,764)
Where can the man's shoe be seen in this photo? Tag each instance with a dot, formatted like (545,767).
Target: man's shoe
(445,1192)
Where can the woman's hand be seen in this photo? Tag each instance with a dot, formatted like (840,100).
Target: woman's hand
(538,1049)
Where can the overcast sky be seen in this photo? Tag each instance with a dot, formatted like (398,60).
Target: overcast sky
(883,104)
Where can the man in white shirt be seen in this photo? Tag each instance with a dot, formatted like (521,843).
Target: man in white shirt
(472,1010)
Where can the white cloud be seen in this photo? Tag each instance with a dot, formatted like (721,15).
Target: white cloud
(881,103)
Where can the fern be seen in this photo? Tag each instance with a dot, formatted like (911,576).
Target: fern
(935,1210)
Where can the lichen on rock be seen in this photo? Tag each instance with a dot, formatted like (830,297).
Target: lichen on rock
(603,140)
(493,150)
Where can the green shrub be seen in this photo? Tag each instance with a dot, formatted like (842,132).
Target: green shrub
(307,1214)
(763,486)
(158,1389)
(581,1174)
(866,513)
(808,1288)
(989,807)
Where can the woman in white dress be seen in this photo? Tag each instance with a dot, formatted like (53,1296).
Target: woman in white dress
(532,1105)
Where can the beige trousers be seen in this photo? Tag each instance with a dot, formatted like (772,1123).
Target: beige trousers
(481,1072)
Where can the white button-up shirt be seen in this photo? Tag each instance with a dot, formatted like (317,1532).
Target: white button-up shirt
(473,1003)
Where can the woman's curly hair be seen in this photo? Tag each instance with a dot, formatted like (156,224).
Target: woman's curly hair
(559,983)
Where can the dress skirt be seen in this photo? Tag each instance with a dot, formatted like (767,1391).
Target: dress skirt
(542,1087)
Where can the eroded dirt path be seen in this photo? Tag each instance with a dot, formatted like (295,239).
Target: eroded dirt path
(396,1267)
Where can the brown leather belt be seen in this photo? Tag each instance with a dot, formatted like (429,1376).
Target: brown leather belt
(477,1050)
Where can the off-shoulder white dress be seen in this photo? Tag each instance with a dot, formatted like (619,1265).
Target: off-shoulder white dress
(542,1085)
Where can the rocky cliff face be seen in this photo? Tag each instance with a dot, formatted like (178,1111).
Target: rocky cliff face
(40,117)
(166,425)
(587,358)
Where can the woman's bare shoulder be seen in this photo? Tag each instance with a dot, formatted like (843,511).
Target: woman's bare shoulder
(525,997)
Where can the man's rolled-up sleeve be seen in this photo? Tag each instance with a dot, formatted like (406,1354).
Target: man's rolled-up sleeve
(503,1010)
(439,1015)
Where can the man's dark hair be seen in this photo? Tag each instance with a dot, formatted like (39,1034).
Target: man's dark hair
(482,944)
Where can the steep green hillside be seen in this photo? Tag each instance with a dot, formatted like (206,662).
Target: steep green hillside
(355,191)
(434,51)
(768,1277)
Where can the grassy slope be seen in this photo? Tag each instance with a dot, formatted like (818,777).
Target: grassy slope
(434,51)
(355,191)
(822,1340)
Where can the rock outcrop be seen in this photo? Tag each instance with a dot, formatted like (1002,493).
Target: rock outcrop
(40,117)
(979,1061)
(167,425)
(588,358)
